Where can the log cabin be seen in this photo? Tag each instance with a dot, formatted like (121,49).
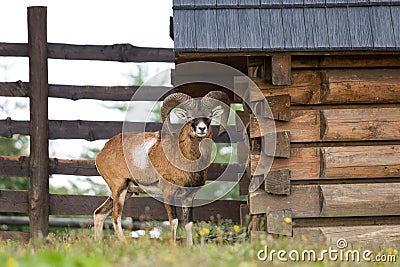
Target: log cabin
(330,71)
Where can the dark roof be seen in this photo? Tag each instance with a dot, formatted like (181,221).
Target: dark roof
(286,25)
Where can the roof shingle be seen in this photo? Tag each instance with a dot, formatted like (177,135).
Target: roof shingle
(290,25)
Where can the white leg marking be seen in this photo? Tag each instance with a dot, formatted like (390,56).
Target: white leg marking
(118,225)
(174,228)
(189,235)
(98,225)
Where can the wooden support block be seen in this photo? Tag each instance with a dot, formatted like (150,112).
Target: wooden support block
(243,151)
(241,89)
(281,69)
(278,182)
(272,107)
(267,75)
(280,106)
(244,117)
(282,148)
(280,222)
(244,184)
(244,215)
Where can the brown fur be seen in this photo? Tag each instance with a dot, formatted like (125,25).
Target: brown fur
(112,165)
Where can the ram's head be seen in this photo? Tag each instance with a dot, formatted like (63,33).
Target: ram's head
(198,112)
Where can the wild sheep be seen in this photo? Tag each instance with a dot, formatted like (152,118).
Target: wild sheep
(143,162)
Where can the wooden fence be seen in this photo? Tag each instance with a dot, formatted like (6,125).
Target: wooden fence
(37,202)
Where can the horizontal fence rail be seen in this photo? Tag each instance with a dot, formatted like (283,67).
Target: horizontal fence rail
(70,222)
(99,130)
(19,166)
(116,52)
(74,92)
(136,207)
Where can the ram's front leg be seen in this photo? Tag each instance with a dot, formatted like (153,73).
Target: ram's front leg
(173,221)
(187,211)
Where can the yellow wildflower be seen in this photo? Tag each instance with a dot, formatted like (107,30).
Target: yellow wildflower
(236,228)
(288,220)
(390,250)
(11,262)
(204,231)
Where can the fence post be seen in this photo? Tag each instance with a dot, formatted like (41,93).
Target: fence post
(39,129)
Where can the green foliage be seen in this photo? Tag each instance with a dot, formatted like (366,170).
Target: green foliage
(216,244)
(15,146)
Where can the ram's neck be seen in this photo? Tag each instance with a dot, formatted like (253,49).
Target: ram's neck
(190,146)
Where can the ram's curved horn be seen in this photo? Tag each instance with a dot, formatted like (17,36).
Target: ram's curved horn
(170,102)
(224,98)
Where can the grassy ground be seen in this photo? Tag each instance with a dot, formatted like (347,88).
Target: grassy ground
(216,245)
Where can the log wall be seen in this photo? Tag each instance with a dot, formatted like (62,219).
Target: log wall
(343,164)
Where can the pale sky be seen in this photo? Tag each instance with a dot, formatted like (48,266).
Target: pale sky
(140,23)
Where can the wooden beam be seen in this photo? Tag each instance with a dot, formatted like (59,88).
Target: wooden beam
(304,126)
(14,201)
(361,161)
(13,235)
(344,162)
(304,201)
(361,86)
(39,128)
(308,201)
(137,207)
(364,237)
(116,52)
(296,163)
(369,197)
(361,124)
(98,130)
(281,68)
(281,148)
(19,166)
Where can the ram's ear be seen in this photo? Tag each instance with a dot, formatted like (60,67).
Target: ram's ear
(181,114)
(217,112)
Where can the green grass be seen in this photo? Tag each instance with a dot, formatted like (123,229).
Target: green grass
(215,245)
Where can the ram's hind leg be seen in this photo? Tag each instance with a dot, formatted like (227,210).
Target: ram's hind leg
(100,215)
(119,198)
